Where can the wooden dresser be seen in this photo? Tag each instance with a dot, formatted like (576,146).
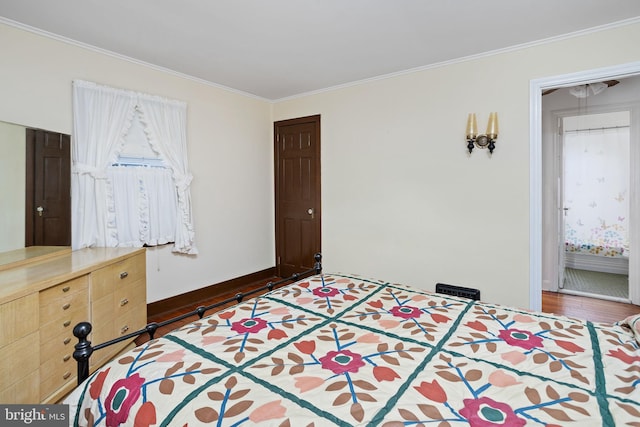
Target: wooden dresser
(41,300)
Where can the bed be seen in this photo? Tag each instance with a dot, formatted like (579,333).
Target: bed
(340,349)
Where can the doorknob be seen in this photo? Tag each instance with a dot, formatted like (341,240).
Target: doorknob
(311,212)
(40,209)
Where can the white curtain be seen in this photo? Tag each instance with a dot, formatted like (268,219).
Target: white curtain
(102,117)
(165,124)
(596,191)
(144,205)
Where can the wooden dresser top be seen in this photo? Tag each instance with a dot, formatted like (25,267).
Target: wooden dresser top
(44,272)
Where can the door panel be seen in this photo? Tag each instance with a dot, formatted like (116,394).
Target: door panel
(48,201)
(298,214)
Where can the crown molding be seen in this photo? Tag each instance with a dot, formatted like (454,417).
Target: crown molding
(468,58)
(115,55)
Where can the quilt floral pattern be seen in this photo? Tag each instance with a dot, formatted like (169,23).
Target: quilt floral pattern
(348,351)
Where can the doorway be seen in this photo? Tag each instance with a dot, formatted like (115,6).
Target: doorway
(297,192)
(594,218)
(48,189)
(543,252)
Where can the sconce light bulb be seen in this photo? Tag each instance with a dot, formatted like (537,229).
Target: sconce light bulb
(472,126)
(492,126)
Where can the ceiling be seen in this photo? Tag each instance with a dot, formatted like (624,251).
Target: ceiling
(282,48)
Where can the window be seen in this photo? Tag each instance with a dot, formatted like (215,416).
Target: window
(130,181)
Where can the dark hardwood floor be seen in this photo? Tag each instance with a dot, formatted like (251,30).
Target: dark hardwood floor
(183,310)
(592,309)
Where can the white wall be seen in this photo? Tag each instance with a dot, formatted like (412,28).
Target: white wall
(401,199)
(228,140)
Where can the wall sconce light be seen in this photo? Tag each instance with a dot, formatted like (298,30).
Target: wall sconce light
(487,140)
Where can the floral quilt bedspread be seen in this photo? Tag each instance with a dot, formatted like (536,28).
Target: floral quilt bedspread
(345,350)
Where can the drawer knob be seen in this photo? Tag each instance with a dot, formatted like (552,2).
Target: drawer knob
(66,341)
(123,275)
(66,306)
(124,302)
(66,358)
(124,329)
(67,323)
(66,289)
(66,375)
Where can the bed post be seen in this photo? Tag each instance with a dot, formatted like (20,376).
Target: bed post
(318,265)
(83,350)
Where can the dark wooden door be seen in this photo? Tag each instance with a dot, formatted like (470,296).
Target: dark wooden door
(297,182)
(48,188)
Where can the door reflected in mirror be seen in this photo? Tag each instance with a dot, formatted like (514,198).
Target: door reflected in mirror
(48,189)
(42,181)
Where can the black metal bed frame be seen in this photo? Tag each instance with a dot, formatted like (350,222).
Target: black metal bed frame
(84,349)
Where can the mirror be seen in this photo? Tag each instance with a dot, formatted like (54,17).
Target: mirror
(14,189)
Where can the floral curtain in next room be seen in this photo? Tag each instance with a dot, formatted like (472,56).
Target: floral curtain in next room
(596,191)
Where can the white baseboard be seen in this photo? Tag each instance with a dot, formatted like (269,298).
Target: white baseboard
(618,265)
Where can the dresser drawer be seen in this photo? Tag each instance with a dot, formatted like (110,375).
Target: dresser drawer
(131,269)
(56,345)
(59,308)
(59,377)
(64,289)
(58,301)
(119,274)
(18,318)
(133,297)
(110,326)
(57,362)
(27,390)
(130,322)
(64,324)
(15,365)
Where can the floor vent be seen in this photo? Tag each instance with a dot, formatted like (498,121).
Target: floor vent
(458,291)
